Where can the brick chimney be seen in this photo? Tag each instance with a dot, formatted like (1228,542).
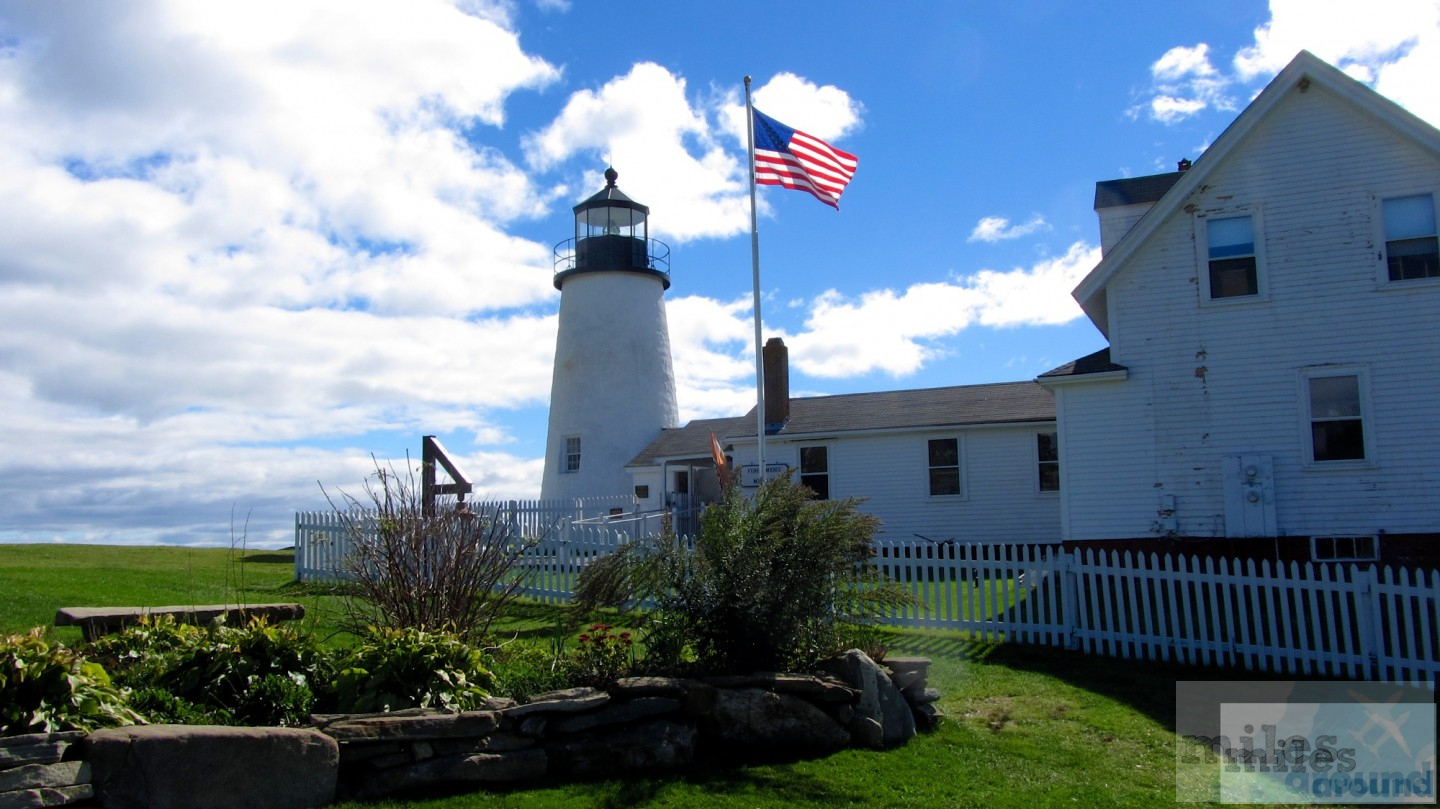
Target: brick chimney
(777,385)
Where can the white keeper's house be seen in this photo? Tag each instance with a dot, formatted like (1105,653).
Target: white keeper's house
(1272,382)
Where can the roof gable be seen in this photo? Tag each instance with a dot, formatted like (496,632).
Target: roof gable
(1305,67)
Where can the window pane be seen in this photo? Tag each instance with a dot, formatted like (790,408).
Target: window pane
(819,484)
(945,452)
(1047,449)
(945,480)
(1334,397)
(1413,258)
(1233,236)
(1338,440)
(1049,477)
(813,459)
(1233,277)
(1409,217)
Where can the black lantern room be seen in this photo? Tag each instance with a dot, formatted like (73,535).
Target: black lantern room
(611,235)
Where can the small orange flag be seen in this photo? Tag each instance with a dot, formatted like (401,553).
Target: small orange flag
(721,468)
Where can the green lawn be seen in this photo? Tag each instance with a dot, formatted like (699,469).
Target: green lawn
(1025,726)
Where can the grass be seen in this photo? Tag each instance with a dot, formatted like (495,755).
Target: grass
(1025,726)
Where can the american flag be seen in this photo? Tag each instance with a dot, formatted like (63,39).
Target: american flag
(789,157)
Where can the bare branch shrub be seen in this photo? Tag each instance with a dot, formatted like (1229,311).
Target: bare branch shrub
(413,566)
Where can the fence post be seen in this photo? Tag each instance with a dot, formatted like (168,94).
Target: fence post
(1069,601)
(1368,609)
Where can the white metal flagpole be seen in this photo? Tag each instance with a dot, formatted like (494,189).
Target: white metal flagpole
(755,282)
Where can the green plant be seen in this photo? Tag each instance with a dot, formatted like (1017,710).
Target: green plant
(522,670)
(770,583)
(602,656)
(258,674)
(412,668)
(413,563)
(46,687)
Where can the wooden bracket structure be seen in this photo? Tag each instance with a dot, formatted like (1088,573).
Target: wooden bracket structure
(432,453)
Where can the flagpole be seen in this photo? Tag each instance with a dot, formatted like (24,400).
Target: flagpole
(755,283)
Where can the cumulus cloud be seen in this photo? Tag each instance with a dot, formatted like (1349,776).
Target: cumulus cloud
(1185,83)
(998,229)
(895,332)
(1392,46)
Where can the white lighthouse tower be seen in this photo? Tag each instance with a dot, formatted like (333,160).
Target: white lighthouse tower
(613,388)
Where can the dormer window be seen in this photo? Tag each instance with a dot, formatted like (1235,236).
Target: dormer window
(1233,270)
(1412,250)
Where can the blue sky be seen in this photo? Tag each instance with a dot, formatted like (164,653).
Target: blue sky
(246,247)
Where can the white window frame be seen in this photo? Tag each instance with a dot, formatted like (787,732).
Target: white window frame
(1382,254)
(959,467)
(1039,489)
(801,474)
(1307,420)
(1202,254)
(570,459)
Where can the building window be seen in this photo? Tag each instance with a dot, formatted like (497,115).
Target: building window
(1344,549)
(1233,263)
(572,453)
(944,466)
(815,471)
(1412,250)
(1336,414)
(682,481)
(1047,455)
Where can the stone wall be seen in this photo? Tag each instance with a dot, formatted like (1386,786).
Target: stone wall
(636,724)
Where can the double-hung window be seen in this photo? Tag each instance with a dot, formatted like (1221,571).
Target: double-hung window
(572,453)
(1412,250)
(815,471)
(1335,411)
(944,458)
(1047,454)
(1232,263)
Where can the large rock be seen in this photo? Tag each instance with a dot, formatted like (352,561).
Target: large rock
(194,767)
(45,796)
(35,748)
(880,703)
(474,768)
(655,745)
(36,776)
(753,718)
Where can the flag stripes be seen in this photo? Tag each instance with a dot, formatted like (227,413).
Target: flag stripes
(795,160)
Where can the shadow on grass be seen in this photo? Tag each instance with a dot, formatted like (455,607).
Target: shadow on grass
(271,558)
(1147,686)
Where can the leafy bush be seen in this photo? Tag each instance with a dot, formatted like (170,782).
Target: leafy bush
(47,687)
(430,566)
(259,674)
(771,582)
(412,668)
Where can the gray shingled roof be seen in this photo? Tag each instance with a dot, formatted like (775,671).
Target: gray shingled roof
(1097,363)
(1133,190)
(1000,403)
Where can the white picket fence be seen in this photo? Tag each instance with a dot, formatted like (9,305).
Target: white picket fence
(1311,619)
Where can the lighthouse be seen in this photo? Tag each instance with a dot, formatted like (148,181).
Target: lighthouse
(613,387)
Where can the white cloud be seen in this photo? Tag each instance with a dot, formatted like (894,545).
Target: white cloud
(1394,46)
(895,332)
(1181,62)
(1186,83)
(998,228)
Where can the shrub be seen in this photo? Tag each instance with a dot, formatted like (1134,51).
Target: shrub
(414,564)
(259,674)
(772,582)
(47,687)
(412,668)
